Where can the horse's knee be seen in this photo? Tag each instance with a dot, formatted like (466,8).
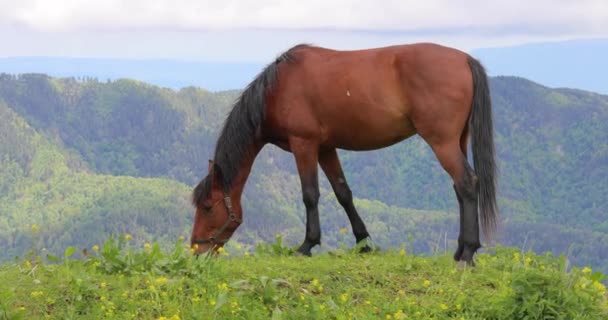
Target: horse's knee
(310,196)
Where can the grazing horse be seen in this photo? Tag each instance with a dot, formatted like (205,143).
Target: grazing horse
(311,101)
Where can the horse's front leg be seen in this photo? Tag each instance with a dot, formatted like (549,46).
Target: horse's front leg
(306,154)
(330,163)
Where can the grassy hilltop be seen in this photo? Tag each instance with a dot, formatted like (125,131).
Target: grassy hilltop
(120,281)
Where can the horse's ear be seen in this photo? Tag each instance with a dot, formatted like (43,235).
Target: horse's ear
(211,163)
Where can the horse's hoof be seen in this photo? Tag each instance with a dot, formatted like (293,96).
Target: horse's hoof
(365,249)
(462,264)
(303,253)
(458,253)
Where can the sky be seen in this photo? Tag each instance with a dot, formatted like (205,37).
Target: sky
(257,31)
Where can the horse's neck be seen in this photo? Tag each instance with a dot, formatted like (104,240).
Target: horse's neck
(245,169)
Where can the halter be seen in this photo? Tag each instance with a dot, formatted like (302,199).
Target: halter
(231,218)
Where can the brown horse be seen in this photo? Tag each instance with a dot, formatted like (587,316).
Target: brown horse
(311,101)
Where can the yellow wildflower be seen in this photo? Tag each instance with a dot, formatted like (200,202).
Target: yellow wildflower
(36,294)
(128,237)
(343,231)
(162,318)
(367,302)
(95,248)
(28,264)
(223,286)
(402,252)
(516,256)
(102,285)
(21,308)
(599,287)
(401,292)
(212,302)
(161,280)
(344,297)
(315,282)
(35,228)
(399,314)
(443,306)
(388,317)
(194,248)
(426,283)
(175,317)
(147,246)
(586,270)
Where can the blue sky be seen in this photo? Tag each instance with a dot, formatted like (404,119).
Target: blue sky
(256,31)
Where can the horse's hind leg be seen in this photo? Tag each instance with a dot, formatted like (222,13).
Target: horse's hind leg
(466,186)
(330,163)
(306,155)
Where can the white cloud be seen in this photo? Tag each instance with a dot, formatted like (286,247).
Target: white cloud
(550,17)
(232,30)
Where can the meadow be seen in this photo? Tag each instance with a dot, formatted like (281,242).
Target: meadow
(127,279)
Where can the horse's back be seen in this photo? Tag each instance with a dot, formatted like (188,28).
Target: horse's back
(368,99)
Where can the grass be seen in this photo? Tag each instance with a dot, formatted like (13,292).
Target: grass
(119,281)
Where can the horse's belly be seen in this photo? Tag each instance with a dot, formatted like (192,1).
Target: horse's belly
(371,136)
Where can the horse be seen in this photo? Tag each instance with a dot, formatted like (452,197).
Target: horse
(311,101)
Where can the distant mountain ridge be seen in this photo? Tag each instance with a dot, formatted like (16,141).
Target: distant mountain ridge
(173,74)
(579,64)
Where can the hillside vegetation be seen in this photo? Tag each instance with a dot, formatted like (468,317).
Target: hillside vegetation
(83,159)
(47,187)
(120,281)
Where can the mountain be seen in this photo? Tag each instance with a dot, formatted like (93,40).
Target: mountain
(49,197)
(552,146)
(573,64)
(173,74)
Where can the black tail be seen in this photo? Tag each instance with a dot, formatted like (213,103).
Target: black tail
(482,143)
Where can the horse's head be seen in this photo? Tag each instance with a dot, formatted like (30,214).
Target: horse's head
(217,216)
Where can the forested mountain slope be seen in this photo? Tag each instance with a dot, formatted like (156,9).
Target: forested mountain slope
(552,148)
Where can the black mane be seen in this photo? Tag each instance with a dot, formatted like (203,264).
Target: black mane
(240,127)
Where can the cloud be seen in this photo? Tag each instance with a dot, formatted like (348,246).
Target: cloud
(548,17)
(227,30)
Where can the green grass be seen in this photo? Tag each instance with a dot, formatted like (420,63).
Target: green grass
(118,281)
